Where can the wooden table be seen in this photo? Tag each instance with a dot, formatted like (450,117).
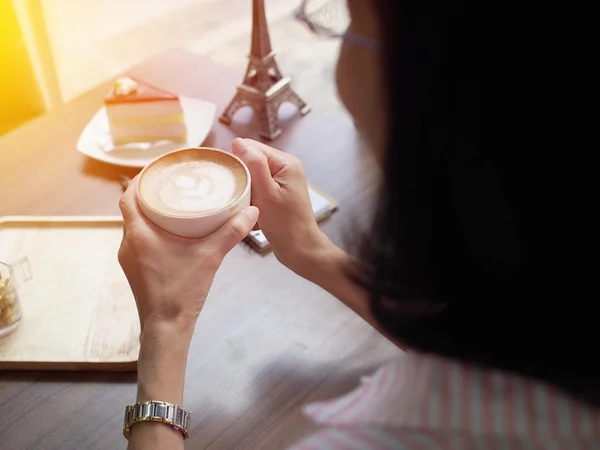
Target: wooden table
(267,340)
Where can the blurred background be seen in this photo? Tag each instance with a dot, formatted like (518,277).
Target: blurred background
(52,51)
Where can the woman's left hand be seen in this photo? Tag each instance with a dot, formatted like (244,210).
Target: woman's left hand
(170,276)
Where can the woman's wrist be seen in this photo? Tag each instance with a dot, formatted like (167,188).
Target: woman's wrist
(163,357)
(328,264)
(330,269)
(316,249)
(162,362)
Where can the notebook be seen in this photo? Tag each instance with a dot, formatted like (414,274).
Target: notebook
(323,206)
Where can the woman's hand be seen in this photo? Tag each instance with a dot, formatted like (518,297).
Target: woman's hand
(280,191)
(170,276)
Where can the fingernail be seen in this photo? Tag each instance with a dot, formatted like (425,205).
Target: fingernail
(252,212)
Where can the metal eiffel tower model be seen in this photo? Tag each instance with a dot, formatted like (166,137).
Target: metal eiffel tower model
(264,88)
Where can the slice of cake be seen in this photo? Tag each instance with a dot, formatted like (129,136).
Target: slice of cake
(139,112)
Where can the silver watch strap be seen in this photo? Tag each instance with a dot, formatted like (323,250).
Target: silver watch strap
(157,411)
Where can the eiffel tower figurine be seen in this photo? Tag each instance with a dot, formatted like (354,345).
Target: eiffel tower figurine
(264,89)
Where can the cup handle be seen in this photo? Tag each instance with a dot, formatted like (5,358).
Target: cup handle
(22,271)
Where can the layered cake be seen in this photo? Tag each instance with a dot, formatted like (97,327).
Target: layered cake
(139,112)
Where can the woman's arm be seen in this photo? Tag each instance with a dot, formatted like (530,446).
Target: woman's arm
(280,191)
(328,268)
(170,278)
(161,374)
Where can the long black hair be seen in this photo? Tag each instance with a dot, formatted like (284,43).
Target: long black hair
(453,261)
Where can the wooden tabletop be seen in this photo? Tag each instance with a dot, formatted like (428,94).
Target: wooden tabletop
(266,342)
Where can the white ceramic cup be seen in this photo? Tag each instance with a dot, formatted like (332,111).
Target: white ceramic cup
(201,224)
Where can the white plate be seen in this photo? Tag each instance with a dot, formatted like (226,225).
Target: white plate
(96,141)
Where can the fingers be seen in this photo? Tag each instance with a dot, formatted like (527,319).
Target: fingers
(283,167)
(132,215)
(234,231)
(258,165)
(276,158)
(128,203)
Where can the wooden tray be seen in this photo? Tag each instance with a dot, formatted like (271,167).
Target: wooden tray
(78,310)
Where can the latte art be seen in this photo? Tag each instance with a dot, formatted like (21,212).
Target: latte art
(196,186)
(193,192)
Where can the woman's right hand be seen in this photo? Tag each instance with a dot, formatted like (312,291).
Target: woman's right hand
(280,192)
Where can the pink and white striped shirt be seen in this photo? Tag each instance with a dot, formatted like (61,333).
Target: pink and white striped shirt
(424,402)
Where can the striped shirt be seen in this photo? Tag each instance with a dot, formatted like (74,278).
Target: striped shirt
(424,402)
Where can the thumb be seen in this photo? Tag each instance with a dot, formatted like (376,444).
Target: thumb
(234,231)
(258,165)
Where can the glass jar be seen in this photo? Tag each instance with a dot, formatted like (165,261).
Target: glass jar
(11,278)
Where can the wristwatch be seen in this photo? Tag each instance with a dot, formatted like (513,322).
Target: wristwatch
(157,411)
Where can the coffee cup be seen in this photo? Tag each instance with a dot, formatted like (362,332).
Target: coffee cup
(193,192)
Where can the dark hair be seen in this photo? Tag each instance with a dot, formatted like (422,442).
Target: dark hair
(456,261)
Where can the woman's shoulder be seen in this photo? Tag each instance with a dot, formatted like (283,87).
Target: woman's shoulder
(361,438)
(400,438)
(425,401)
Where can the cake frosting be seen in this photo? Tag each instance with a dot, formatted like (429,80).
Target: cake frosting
(140,112)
